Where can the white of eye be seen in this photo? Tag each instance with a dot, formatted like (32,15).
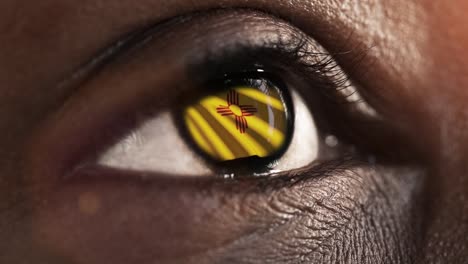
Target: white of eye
(156,146)
(304,146)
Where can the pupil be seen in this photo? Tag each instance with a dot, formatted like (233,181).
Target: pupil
(235,109)
(245,120)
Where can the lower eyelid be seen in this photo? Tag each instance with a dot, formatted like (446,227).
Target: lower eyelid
(154,210)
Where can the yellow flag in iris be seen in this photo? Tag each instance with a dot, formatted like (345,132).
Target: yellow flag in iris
(239,122)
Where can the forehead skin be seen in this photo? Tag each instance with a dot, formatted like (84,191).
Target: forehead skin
(419,52)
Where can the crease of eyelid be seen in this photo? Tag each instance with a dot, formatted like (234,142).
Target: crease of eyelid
(327,65)
(103,57)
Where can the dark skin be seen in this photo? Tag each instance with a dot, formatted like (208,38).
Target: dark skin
(408,210)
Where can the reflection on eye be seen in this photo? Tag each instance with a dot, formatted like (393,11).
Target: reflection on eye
(242,126)
(250,119)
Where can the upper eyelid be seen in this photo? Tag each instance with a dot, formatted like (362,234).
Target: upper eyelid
(132,41)
(139,37)
(267,32)
(270,33)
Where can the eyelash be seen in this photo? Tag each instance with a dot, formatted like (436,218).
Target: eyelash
(326,82)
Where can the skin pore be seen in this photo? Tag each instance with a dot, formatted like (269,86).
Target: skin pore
(413,73)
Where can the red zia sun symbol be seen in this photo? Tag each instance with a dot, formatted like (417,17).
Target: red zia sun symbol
(239,111)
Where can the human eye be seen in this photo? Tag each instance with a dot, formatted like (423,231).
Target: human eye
(269,101)
(243,124)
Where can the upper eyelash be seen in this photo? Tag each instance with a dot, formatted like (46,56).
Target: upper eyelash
(298,51)
(327,66)
(297,47)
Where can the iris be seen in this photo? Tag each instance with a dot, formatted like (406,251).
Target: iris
(248,118)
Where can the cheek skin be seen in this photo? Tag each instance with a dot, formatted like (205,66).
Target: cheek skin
(318,220)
